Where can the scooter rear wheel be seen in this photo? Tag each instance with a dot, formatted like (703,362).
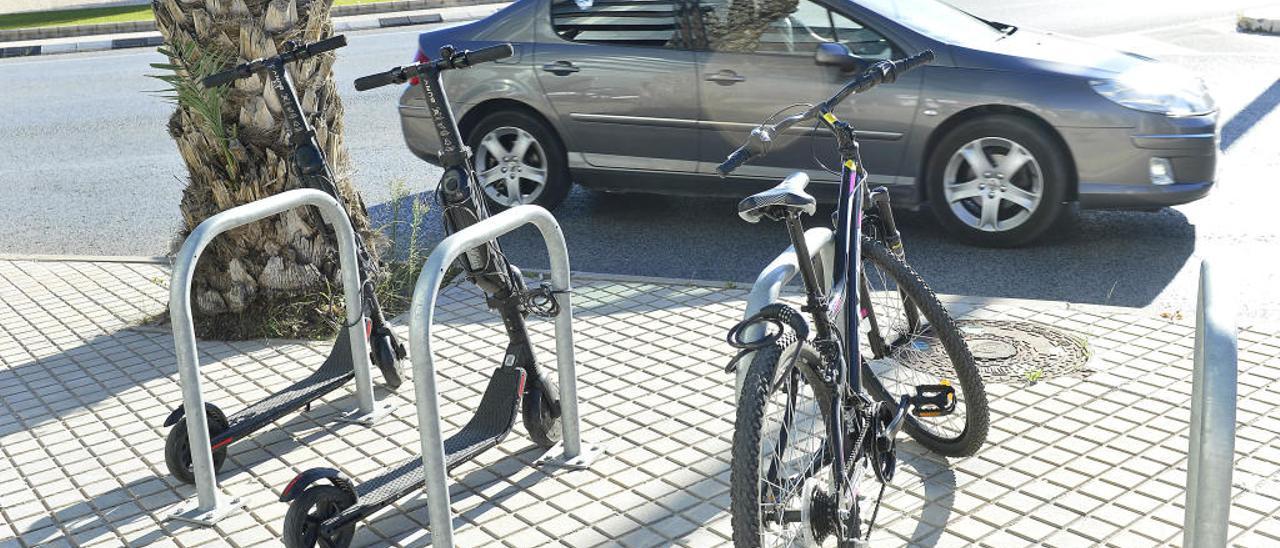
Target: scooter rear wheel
(541,418)
(309,510)
(177,447)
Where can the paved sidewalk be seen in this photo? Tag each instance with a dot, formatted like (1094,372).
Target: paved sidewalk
(1099,460)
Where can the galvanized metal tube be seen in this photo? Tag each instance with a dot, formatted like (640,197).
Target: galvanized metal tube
(184,336)
(768,286)
(1213,416)
(421,315)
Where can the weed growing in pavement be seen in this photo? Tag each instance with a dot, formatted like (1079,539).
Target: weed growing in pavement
(1034,375)
(403,256)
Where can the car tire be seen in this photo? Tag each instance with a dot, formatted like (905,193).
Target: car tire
(986,204)
(494,143)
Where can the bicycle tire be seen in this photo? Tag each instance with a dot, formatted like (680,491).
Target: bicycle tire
(972,392)
(745,468)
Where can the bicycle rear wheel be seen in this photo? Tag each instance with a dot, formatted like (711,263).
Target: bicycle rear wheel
(779,448)
(903,326)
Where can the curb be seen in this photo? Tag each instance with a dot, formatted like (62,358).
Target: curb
(41,258)
(1264,21)
(153,38)
(40,33)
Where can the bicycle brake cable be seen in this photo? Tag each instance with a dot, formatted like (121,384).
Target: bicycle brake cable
(813,150)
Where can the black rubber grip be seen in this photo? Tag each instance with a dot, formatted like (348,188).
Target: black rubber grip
(378,80)
(734,161)
(917,60)
(491,53)
(330,43)
(221,78)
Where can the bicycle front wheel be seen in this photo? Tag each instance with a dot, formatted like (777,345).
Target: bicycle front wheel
(907,340)
(779,447)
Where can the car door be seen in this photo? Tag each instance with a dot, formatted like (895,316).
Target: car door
(758,58)
(623,83)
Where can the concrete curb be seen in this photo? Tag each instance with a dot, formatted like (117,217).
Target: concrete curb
(41,258)
(344,24)
(17,35)
(1260,21)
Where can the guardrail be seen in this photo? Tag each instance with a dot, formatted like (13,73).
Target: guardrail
(421,314)
(779,272)
(211,505)
(1213,417)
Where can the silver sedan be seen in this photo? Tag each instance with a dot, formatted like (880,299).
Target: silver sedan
(1003,137)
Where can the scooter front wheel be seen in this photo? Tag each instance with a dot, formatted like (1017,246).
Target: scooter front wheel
(309,510)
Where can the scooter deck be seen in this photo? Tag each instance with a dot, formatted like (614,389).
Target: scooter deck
(335,372)
(493,420)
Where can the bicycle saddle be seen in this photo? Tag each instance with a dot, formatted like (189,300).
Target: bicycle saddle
(775,202)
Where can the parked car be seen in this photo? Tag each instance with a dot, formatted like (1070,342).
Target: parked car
(1002,136)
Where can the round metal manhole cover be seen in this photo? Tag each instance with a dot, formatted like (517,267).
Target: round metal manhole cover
(1010,352)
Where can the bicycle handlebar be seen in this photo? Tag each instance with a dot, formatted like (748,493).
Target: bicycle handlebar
(881,72)
(449,59)
(296,51)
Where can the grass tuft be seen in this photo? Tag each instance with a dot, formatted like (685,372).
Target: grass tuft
(98,16)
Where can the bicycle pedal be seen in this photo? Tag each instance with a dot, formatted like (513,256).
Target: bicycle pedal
(934,400)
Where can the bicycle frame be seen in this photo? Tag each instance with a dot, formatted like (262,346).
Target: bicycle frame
(834,319)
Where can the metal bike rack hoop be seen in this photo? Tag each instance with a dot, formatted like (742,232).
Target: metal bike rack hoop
(768,286)
(421,314)
(212,505)
(1213,417)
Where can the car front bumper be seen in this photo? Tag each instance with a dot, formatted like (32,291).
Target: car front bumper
(1114,164)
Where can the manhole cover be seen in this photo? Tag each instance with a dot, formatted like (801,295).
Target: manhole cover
(1005,351)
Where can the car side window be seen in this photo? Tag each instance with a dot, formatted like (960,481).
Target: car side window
(787,27)
(651,23)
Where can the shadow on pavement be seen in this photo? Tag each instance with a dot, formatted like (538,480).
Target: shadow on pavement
(1118,258)
(1250,115)
(148,497)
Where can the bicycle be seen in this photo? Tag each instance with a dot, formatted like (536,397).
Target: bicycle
(787,484)
(327,513)
(311,167)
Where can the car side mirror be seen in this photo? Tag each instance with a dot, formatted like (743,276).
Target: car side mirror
(834,54)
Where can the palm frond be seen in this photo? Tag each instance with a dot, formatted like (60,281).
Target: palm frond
(189,63)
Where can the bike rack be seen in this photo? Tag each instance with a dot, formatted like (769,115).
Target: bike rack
(1213,417)
(421,314)
(768,287)
(211,504)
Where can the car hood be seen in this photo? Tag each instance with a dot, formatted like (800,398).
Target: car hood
(1049,52)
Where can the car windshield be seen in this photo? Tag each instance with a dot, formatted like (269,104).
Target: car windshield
(935,19)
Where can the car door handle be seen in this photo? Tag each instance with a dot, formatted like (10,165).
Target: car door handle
(726,78)
(561,68)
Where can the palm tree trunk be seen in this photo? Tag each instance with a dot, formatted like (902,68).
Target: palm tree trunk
(279,276)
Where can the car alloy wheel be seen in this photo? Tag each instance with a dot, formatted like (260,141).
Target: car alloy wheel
(993,184)
(512,166)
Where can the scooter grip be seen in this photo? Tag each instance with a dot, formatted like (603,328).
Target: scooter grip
(491,53)
(330,43)
(378,80)
(221,78)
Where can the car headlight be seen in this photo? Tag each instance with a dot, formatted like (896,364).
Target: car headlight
(1158,88)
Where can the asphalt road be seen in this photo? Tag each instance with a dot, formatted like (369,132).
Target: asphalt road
(86,168)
